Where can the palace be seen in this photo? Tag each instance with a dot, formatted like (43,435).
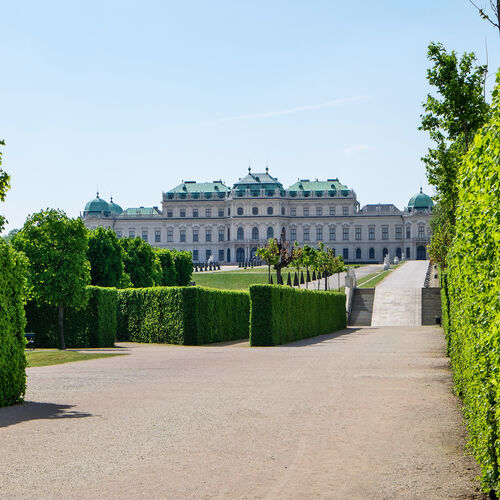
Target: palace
(212,220)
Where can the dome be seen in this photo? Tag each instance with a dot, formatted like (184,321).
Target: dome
(114,208)
(96,207)
(420,202)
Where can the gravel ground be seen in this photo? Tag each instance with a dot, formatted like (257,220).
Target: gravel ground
(364,413)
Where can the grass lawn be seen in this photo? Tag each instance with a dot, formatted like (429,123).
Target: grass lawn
(372,280)
(235,280)
(47,357)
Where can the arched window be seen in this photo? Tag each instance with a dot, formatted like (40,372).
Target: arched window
(358,253)
(240,255)
(372,253)
(240,211)
(270,232)
(269,210)
(239,234)
(255,211)
(255,233)
(398,253)
(384,252)
(282,210)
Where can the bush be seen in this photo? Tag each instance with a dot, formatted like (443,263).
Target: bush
(168,275)
(12,360)
(94,325)
(279,315)
(182,315)
(183,266)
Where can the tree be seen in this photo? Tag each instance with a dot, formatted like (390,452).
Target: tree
(58,269)
(4,185)
(168,275)
(308,259)
(141,262)
(279,255)
(10,235)
(270,254)
(106,258)
(183,261)
(493,18)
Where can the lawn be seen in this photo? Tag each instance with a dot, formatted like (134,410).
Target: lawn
(235,280)
(47,357)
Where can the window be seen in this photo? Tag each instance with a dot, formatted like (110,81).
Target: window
(371,253)
(408,231)
(319,234)
(332,210)
(221,235)
(195,212)
(228,236)
(183,235)
(208,212)
(345,210)
(282,210)
(332,234)
(385,233)
(408,252)
(306,211)
(118,234)
(208,235)
(293,212)
(255,233)
(221,255)
(131,233)
(170,213)
(398,253)
(358,253)
(345,254)
(145,235)
(255,211)
(293,234)
(371,233)
(170,236)
(208,254)
(239,234)
(183,212)
(228,213)
(157,236)
(221,214)
(319,211)
(196,236)
(270,232)
(240,211)
(385,252)
(269,210)
(421,231)
(306,234)
(399,233)
(345,233)
(357,233)
(195,255)
(333,251)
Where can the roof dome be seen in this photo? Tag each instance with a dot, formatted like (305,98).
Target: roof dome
(420,201)
(114,208)
(97,207)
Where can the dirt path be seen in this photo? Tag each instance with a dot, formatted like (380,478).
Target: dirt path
(366,413)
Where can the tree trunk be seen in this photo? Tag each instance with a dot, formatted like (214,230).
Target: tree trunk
(60,308)
(326,281)
(269,273)
(278,276)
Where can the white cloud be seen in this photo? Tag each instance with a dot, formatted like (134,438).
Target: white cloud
(299,109)
(357,148)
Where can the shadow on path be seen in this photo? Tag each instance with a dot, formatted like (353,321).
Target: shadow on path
(30,410)
(322,338)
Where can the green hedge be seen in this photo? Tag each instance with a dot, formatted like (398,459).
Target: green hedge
(472,297)
(94,325)
(279,315)
(12,360)
(182,315)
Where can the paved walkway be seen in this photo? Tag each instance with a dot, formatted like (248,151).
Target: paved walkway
(362,414)
(334,281)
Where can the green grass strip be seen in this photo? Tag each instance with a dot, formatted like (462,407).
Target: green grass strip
(50,357)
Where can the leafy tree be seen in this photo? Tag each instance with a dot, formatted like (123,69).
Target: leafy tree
(58,269)
(494,17)
(279,255)
(183,266)
(168,275)
(106,258)
(4,185)
(308,259)
(141,262)
(10,235)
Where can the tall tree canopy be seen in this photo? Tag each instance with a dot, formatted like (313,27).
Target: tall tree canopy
(4,184)
(141,262)
(58,269)
(106,258)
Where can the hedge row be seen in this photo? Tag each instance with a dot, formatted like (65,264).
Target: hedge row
(182,315)
(279,315)
(12,359)
(471,293)
(93,325)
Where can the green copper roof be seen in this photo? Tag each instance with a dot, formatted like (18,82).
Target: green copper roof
(97,206)
(141,211)
(258,181)
(420,200)
(200,187)
(114,208)
(308,185)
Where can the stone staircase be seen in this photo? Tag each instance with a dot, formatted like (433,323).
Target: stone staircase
(362,307)
(431,305)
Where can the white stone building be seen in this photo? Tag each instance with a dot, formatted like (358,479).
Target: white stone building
(229,224)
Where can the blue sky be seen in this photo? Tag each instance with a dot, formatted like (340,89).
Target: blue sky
(134,97)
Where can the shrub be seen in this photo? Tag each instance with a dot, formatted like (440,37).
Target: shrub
(183,266)
(182,315)
(279,315)
(94,325)
(12,360)
(168,275)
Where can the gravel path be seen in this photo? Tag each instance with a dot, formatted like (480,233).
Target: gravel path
(365,413)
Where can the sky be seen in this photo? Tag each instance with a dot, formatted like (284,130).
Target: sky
(132,98)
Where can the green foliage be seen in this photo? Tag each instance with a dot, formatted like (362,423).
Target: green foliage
(279,315)
(141,263)
(182,315)
(93,325)
(12,361)
(168,274)
(471,293)
(106,258)
(4,185)
(183,266)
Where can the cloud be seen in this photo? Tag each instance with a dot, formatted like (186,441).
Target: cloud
(299,109)
(357,148)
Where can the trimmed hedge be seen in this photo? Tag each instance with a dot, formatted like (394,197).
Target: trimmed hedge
(280,315)
(94,325)
(182,315)
(12,360)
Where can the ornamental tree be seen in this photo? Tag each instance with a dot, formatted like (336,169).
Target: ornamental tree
(141,262)
(4,185)
(58,269)
(106,258)
(168,275)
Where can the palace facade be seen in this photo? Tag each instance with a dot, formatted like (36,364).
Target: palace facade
(212,220)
